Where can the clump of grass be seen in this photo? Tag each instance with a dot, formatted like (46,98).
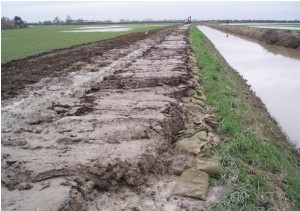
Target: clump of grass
(253,149)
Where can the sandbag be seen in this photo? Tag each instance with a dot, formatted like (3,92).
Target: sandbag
(192,183)
(211,166)
(194,108)
(201,135)
(191,145)
(180,163)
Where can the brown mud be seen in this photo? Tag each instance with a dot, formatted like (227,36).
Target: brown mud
(92,127)
(16,74)
(279,37)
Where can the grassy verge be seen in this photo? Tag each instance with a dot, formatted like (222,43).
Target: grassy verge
(20,43)
(253,148)
(269,24)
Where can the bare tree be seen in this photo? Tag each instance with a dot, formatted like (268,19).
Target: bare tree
(19,23)
(69,20)
(57,20)
(79,21)
(7,23)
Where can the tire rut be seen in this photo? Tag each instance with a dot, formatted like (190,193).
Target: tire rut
(109,124)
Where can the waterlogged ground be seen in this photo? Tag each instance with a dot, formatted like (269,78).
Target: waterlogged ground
(110,28)
(275,77)
(120,29)
(286,26)
(37,39)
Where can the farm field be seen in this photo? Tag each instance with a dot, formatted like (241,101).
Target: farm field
(20,43)
(108,122)
(150,105)
(289,38)
(287,26)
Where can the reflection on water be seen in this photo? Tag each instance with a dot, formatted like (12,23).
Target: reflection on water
(275,49)
(275,78)
(292,53)
(100,27)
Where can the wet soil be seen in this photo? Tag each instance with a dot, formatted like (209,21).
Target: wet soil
(15,75)
(92,127)
(279,37)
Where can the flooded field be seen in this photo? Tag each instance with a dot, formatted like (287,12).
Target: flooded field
(120,29)
(287,26)
(278,27)
(275,78)
(108,28)
(35,39)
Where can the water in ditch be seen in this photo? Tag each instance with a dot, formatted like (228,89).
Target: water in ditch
(273,76)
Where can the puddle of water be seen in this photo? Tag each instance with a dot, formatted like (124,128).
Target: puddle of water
(110,29)
(100,27)
(287,26)
(275,78)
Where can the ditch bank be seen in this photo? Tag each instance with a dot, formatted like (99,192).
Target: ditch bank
(253,149)
(286,38)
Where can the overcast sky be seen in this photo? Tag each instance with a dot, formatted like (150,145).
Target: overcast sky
(139,10)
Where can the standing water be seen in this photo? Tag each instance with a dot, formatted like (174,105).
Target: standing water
(274,78)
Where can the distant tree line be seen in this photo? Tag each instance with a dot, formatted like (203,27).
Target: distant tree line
(17,22)
(7,23)
(70,21)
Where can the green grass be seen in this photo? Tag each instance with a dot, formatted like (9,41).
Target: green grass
(20,43)
(253,148)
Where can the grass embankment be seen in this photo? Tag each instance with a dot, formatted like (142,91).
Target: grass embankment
(253,148)
(285,38)
(20,43)
(297,25)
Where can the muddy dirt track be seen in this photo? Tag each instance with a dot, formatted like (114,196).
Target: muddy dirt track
(94,129)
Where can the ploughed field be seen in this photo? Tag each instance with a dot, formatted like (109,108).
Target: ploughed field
(92,127)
